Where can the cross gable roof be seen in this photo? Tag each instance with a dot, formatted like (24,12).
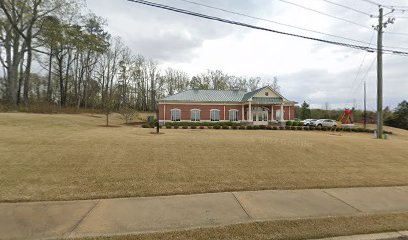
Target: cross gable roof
(220,96)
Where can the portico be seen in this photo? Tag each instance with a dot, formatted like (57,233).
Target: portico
(265,114)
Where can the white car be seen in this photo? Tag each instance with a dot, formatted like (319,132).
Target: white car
(325,123)
(309,122)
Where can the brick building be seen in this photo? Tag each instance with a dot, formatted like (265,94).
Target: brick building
(258,107)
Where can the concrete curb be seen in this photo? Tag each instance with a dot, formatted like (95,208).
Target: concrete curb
(401,235)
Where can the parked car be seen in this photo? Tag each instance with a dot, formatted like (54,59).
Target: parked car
(309,122)
(325,123)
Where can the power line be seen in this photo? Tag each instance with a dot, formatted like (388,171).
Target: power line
(392,7)
(272,21)
(347,7)
(359,47)
(325,14)
(365,75)
(282,24)
(361,65)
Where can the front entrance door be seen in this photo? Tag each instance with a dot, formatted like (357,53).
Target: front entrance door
(260,116)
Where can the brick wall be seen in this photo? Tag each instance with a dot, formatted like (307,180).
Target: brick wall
(205,111)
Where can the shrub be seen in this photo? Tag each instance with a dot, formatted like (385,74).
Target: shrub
(202,127)
(306,128)
(235,127)
(292,128)
(256,127)
(269,127)
(249,127)
(145,126)
(229,123)
(225,126)
(274,128)
(311,128)
(217,126)
(193,127)
(262,127)
(281,128)
(324,129)
(210,126)
(176,126)
(242,127)
(289,123)
(299,128)
(185,127)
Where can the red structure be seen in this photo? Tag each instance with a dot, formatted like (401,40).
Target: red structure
(346,117)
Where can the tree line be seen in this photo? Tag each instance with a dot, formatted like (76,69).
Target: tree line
(52,53)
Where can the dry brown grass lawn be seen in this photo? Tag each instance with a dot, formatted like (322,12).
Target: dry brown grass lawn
(62,157)
(285,229)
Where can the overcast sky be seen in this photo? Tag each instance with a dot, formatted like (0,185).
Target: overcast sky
(307,70)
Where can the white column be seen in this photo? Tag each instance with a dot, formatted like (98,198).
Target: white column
(242,113)
(272,117)
(250,112)
(164,112)
(281,113)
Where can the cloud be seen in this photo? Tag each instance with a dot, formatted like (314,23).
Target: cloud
(308,70)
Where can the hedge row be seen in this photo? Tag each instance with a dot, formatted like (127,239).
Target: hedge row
(264,127)
(203,124)
(294,124)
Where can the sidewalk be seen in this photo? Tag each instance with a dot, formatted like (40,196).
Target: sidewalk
(137,215)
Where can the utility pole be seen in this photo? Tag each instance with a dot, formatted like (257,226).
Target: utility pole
(379,28)
(365,106)
(379,76)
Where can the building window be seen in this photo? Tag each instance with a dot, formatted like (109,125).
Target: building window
(233,115)
(195,115)
(278,114)
(175,115)
(215,115)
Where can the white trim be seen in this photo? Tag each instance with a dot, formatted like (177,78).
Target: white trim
(243,113)
(164,112)
(282,112)
(229,114)
(217,110)
(249,111)
(171,114)
(272,117)
(199,114)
